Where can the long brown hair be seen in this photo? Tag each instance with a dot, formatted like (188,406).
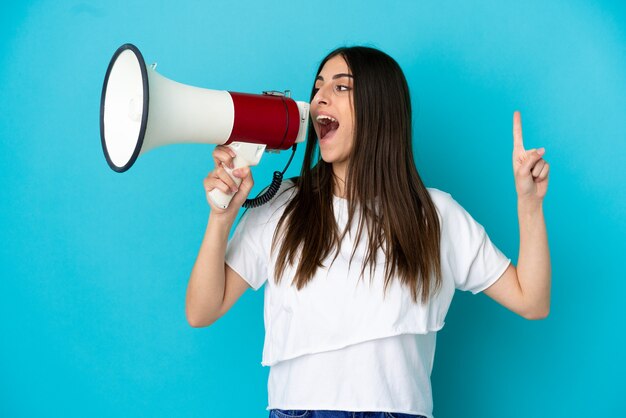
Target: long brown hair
(395,209)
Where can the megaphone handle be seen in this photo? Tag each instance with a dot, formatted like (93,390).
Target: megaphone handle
(247,155)
(218,197)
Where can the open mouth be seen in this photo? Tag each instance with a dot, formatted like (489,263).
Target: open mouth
(328,125)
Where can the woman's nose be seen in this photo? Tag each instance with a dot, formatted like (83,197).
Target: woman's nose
(321,97)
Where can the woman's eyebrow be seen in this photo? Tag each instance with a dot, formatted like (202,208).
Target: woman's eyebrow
(336,76)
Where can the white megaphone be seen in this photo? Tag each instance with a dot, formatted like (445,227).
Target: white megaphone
(141,110)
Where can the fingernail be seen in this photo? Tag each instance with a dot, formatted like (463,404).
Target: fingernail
(541,151)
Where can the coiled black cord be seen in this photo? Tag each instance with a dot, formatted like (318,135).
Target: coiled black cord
(270,191)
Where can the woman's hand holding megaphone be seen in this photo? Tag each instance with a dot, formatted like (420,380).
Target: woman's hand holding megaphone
(219,179)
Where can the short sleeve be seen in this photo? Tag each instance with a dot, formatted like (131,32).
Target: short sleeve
(246,253)
(476,262)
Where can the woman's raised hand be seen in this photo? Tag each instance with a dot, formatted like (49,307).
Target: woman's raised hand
(219,179)
(529,168)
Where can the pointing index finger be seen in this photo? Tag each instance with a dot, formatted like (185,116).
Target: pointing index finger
(518,142)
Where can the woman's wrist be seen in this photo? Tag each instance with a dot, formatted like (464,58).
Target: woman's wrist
(529,205)
(220,223)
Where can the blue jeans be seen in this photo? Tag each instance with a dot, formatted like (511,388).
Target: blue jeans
(282,413)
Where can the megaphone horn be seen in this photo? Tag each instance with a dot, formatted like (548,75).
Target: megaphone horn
(141,110)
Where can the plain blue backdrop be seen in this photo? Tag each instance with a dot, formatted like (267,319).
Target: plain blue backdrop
(94,264)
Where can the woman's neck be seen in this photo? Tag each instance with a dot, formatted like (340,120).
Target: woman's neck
(339,183)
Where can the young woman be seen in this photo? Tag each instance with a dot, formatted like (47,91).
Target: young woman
(359,258)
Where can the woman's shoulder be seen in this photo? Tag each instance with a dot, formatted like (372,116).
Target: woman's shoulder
(446,205)
(284,194)
(455,218)
(276,206)
(440,198)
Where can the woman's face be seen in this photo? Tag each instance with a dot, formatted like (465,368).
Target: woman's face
(332,113)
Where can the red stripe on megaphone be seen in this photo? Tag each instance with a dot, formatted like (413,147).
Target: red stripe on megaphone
(265,119)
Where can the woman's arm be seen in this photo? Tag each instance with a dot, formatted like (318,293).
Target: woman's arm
(214,287)
(526,289)
(533,265)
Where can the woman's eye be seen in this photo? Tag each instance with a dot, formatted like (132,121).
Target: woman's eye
(342,87)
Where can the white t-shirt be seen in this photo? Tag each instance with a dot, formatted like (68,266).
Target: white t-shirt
(337,343)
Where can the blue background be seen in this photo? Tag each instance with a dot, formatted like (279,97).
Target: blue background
(94,264)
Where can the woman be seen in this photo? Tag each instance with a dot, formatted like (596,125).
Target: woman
(361,259)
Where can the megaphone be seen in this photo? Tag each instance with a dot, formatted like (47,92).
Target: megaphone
(141,110)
